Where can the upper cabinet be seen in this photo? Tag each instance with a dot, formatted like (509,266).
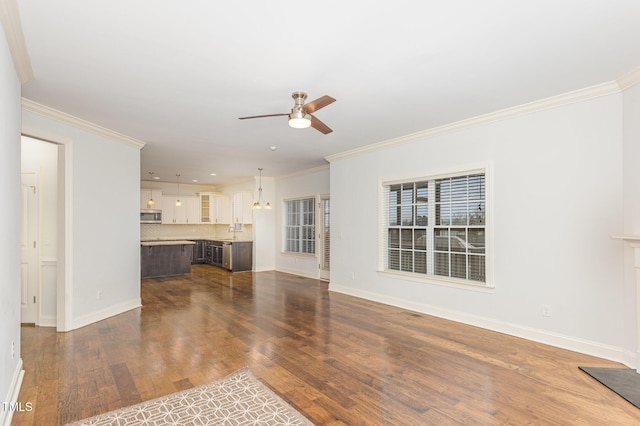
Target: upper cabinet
(146,195)
(205,207)
(192,210)
(241,207)
(188,212)
(214,208)
(221,209)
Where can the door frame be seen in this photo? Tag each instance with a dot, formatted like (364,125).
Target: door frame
(323,273)
(64,255)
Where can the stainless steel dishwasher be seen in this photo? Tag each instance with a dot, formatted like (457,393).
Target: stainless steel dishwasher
(227,260)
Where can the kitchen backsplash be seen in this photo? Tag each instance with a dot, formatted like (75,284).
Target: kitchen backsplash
(151,231)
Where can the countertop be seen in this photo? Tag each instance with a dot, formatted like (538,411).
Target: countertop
(180,240)
(166,243)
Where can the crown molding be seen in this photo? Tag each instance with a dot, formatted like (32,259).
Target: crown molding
(596,91)
(304,172)
(10,18)
(629,79)
(29,105)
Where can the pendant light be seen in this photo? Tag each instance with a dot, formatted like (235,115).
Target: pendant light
(178,203)
(151,202)
(258,204)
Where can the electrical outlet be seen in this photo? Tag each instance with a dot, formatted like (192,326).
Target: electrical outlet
(353,275)
(546,310)
(13,349)
(99,295)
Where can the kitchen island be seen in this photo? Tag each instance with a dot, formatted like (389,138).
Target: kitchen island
(165,258)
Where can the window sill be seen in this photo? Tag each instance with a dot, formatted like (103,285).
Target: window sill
(295,254)
(441,281)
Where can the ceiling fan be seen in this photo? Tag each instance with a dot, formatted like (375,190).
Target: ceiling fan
(300,116)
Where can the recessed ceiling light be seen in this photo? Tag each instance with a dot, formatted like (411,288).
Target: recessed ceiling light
(273,148)
(156,177)
(194,180)
(213,174)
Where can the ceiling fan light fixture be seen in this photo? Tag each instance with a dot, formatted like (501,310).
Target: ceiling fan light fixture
(299,120)
(300,116)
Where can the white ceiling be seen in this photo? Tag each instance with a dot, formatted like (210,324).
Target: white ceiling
(178,74)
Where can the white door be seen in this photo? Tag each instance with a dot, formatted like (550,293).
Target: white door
(323,237)
(29,250)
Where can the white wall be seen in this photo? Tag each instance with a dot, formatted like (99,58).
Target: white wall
(558,195)
(631,193)
(264,232)
(308,184)
(10,366)
(42,158)
(104,219)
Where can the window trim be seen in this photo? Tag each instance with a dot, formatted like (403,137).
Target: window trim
(284,250)
(489,284)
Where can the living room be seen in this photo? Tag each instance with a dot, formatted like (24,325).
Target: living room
(561,179)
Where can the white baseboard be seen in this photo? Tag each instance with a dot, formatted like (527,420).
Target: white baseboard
(297,272)
(106,313)
(541,336)
(47,321)
(264,269)
(6,413)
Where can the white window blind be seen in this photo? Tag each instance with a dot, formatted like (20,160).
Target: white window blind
(436,227)
(326,233)
(300,226)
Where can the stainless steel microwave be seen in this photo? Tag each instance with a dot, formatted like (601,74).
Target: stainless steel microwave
(150,216)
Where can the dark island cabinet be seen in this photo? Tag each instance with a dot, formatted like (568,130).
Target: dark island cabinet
(161,260)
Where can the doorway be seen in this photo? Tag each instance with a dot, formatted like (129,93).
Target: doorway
(50,214)
(324,239)
(29,256)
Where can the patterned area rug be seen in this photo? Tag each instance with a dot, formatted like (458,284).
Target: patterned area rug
(238,399)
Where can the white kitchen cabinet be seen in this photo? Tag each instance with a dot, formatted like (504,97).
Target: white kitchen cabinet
(241,207)
(214,208)
(168,210)
(188,212)
(205,207)
(221,209)
(192,210)
(146,195)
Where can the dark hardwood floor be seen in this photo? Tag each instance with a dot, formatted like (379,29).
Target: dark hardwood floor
(337,359)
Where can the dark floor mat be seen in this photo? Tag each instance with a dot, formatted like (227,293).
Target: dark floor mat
(623,381)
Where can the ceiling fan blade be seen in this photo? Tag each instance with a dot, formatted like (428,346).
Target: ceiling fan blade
(262,116)
(320,126)
(316,104)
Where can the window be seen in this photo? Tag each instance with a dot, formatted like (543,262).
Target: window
(300,226)
(325,211)
(436,227)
